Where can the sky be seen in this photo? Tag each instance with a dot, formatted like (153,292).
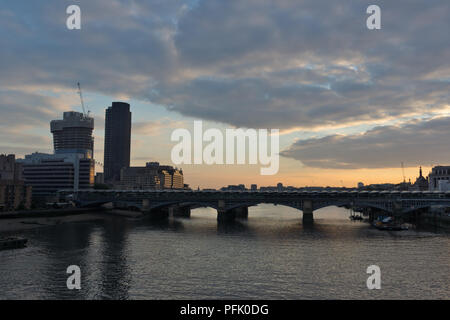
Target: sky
(351,103)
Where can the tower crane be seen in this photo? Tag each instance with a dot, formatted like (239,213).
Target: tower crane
(82,102)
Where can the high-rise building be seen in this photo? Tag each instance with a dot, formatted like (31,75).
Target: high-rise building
(117,140)
(73,133)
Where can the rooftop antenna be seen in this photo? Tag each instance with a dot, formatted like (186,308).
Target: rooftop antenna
(82,102)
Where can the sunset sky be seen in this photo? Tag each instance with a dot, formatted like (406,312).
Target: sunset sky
(351,103)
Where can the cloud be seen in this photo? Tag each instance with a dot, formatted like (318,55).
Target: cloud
(284,64)
(154,128)
(418,142)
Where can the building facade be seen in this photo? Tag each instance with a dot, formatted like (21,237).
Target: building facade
(99,178)
(139,178)
(73,133)
(14,194)
(117,140)
(48,173)
(438,174)
(152,176)
(170,177)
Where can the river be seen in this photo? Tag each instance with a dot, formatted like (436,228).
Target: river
(269,256)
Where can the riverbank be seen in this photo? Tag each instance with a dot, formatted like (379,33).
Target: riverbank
(14,225)
(12,222)
(46,213)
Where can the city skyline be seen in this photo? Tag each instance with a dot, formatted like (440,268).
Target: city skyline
(73,134)
(352,104)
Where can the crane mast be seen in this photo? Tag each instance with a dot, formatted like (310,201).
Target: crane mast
(81,98)
(403,172)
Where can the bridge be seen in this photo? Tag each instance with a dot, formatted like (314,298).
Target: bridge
(235,204)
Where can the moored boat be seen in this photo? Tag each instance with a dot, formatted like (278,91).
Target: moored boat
(12,243)
(388,224)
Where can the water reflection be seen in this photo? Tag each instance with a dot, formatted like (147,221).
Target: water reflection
(271,255)
(115,273)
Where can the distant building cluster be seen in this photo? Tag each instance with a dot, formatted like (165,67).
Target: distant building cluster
(278,188)
(39,176)
(437,180)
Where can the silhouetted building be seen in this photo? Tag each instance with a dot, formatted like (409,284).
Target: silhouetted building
(117,140)
(99,178)
(439,175)
(421,183)
(14,194)
(239,187)
(73,133)
(49,173)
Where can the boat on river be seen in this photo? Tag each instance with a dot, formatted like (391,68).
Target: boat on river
(389,224)
(12,243)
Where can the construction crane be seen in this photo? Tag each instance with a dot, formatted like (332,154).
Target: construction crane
(403,172)
(82,102)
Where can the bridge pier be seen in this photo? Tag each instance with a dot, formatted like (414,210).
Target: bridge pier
(398,211)
(226,215)
(223,214)
(181,211)
(308,217)
(159,214)
(241,213)
(154,214)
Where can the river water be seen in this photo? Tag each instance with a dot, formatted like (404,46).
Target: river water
(269,256)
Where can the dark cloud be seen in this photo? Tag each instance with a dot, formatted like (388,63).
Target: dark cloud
(415,143)
(274,64)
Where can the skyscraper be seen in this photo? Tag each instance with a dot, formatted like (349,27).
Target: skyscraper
(73,133)
(117,140)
